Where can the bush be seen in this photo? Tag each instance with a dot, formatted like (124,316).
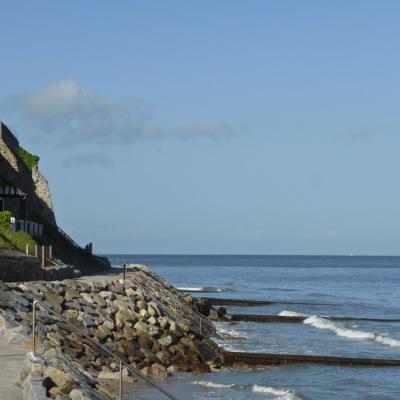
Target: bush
(5,219)
(17,240)
(30,160)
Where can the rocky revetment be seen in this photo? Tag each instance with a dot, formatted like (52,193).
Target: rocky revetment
(143,319)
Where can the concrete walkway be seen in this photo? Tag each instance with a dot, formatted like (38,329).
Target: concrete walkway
(11,358)
(114,274)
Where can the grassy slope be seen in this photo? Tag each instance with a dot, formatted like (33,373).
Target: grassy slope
(16,240)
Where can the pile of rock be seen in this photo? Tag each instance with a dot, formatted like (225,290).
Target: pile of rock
(204,307)
(53,375)
(144,320)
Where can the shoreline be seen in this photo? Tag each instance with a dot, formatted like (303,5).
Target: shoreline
(144,282)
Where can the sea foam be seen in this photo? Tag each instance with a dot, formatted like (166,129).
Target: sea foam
(286,313)
(227,337)
(231,334)
(205,289)
(213,384)
(323,323)
(278,394)
(281,394)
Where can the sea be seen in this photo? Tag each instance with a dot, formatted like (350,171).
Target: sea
(318,287)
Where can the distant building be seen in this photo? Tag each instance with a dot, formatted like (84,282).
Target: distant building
(12,199)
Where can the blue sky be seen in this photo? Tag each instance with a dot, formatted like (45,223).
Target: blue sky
(266,127)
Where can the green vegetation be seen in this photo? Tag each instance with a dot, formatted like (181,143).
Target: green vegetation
(30,160)
(5,219)
(16,240)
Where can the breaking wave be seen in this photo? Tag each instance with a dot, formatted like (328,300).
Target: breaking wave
(204,289)
(281,394)
(227,337)
(213,384)
(323,323)
(231,334)
(286,313)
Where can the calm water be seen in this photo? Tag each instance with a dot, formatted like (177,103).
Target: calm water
(332,286)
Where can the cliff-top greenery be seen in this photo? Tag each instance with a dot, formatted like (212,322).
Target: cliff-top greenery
(30,160)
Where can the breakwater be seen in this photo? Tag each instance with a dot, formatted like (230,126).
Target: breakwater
(301,318)
(235,358)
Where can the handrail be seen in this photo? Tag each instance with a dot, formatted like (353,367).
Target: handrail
(69,238)
(109,352)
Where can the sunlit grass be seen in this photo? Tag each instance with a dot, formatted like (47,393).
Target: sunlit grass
(16,240)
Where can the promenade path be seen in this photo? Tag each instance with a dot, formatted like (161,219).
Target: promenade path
(114,274)
(11,358)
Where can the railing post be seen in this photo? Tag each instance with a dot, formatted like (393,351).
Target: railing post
(120,380)
(95,343)
(34,326)
(27,249)
(43,256)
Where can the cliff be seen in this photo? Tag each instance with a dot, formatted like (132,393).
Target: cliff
(25,192)
(14,171)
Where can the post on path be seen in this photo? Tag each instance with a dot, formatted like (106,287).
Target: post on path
(120,380)
(43,256)
(124,265)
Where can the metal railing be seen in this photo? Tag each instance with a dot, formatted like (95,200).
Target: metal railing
(69,238)
(90,340)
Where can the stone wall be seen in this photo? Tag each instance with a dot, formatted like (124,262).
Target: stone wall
(8,138)
(16,266)
(42,190)
(9,146)
(19,267)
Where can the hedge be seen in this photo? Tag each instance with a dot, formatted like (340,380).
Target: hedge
(5,219)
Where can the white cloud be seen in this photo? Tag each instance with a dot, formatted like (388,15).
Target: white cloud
(68,113)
